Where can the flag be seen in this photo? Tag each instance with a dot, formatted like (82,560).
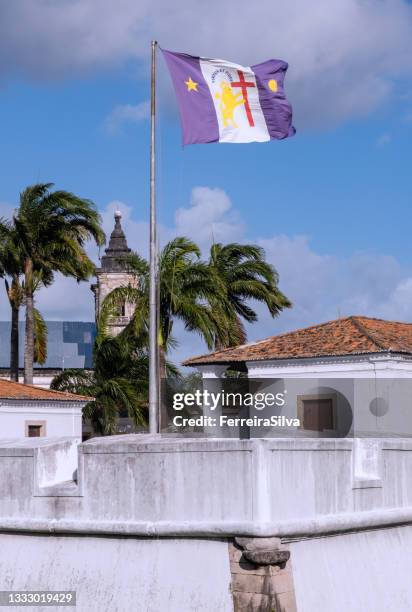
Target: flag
(224,102)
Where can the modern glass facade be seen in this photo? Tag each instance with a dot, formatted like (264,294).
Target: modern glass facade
(69,344)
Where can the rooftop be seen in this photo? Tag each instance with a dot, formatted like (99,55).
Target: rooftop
(353,335)
(18,391)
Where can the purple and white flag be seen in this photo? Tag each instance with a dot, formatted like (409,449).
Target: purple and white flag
(224,102)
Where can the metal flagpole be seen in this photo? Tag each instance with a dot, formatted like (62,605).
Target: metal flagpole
(153,298)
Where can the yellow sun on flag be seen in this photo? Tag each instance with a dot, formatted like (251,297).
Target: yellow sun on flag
(273,85)
(191,85)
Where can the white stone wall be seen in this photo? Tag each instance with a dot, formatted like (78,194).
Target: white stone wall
(120,575)
(147,519)
(266,487)
(355,572)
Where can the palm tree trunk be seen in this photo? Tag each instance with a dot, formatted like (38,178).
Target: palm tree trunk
(162,362)
(163,415)
(14,343)
(29,331)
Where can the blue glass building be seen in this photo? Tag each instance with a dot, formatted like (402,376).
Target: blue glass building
(69,345)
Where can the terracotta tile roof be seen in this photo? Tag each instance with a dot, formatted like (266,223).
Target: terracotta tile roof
(350,336)
(14,390)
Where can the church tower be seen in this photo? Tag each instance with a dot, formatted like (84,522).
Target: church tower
(114,273)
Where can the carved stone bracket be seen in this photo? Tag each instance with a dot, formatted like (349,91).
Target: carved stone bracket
(263,551)
(262,579)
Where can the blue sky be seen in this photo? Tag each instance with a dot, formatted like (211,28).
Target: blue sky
(331,206)
(354,175)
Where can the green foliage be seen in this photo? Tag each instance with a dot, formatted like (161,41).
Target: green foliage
(118,384)
(48,234)
(186,289)
(40,338)
(246,276)
(53,228)
(211,299)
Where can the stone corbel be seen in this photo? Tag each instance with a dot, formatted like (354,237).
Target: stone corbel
(263,551)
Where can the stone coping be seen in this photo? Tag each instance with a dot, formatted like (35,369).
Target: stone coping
(12,447)
(157,443)
(333,524)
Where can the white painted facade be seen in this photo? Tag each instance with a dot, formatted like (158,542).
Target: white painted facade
(372,394)
(381,365)
(56,418)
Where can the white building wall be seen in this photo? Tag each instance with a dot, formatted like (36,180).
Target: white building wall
(61,418)
(352,366)
(373,392)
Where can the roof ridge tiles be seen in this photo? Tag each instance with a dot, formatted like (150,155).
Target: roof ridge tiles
(355,321)
(402,347)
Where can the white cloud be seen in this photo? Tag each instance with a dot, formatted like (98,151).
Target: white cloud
(66,300)
(137,232)
(6,210)
(344,55)
(126,113)
(384,139)
(324,287)
(209,218)
(399,303)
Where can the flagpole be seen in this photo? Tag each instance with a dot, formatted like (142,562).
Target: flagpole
(153,298)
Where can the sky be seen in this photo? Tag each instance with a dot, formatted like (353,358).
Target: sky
(330,206)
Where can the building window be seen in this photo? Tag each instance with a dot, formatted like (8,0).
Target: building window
(317,412)
(35,429)
(121,310)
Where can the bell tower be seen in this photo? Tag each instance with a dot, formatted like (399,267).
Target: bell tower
(114,273)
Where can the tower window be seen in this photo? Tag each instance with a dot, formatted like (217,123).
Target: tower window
(121,310)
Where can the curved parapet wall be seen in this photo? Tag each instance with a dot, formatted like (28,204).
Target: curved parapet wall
(165,486)
(137,498)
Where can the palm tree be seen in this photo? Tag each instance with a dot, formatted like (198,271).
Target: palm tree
(52,228)
(211,298)
(15,295)
(117,385)
(243,271)
(186,290)
(11,266)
